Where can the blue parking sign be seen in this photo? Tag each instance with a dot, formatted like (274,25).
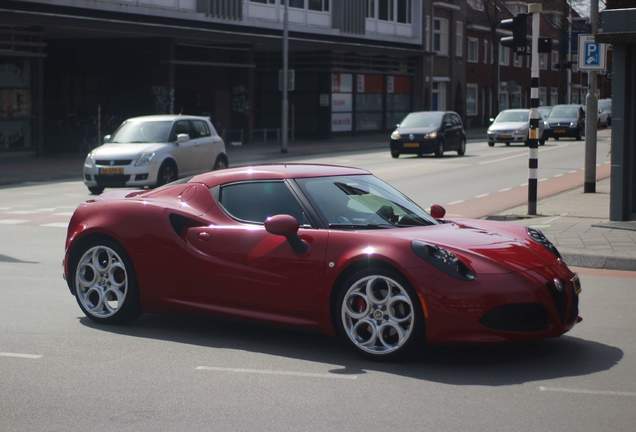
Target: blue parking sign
(591,53)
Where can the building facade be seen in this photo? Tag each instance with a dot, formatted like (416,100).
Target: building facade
(354,62)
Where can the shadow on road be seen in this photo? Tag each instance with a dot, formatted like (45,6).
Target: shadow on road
(490,364)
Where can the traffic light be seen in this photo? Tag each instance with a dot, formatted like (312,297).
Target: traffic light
(519,28)
(545,45)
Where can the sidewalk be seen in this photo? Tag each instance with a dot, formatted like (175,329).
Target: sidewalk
(578,225)
(15,169)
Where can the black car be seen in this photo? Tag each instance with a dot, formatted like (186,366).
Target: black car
(429,132)
(566,121)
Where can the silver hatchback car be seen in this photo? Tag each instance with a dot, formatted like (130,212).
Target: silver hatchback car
(154,150)
(511,126)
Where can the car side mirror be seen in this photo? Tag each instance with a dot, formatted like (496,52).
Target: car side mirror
(107,138)
(183,137)
(491,119)
(437,211)
(287,226)
(397,125)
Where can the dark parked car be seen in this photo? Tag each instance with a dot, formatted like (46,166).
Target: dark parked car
(429,132)
(566,121)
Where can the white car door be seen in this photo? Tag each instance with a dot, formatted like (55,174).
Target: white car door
(184,152)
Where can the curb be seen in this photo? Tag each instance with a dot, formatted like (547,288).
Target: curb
(576,259)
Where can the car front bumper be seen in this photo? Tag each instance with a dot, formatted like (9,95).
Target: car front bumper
(124,176)
(499,137)
(420,146)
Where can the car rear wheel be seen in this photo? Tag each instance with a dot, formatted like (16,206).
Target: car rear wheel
(491,143)
(167,173)
(461,151)
(221,162)
(378,314)
(95,190)
(104,283)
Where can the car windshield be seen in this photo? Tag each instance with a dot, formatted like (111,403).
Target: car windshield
(564,111)
(605,104)
(422,120)
(362,202)
(545,111)
(142,132)
(512,116)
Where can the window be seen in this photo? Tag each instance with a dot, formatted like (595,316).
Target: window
(200,129)
(297,4)
(504,55)
(459,38)
(517,60)
(256,201)
(471,99)
(543,61)
(439,96)
(485,51)
(503,100)
(554,96)
(440,36)
(385,10)
(370,8)
(181,127)
(515,99)
(543,96)
(319,5)
(404,11)
(472,50)
(555,60)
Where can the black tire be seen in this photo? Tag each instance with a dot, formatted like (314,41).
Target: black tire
(556,138)
(395,154)
(461,151)
(95,190)
(131,308)
(507,144)
(439,150)
(578,136)
(168,172)
(491,143)
(415,340)
(542,141)
(221,162)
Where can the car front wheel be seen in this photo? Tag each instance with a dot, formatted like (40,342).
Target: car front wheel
(167,173)
(221,162)
(95,190)
(395,154)
(439,151)
(461,151)
(378,314)
(104,283)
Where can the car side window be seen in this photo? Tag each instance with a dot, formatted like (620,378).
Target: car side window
(457,120)
(447,122)
(200,128)
(254,202)
(181,127)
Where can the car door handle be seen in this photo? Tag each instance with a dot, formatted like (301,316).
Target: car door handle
(204,236)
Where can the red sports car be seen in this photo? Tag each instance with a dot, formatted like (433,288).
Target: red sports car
(325,247)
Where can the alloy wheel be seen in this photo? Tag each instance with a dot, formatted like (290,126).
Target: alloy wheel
(377,315)
(101,281)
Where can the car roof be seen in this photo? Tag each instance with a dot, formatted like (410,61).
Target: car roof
(168,117)
(433,112)
(274,172)
(517,109)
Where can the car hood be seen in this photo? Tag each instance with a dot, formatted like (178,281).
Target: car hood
(129,151)
(489,247)
(420,130)
(508,126)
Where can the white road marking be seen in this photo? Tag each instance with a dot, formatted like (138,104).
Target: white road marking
(523,184)
(21,355)
(505,189)
(63,214)
(276,372)
(521,154)
(12,221)
(455,202)
(585,391)
(558,175)
(56,225)
(32,211)
(482,195)
(571,171)
(5,208)
(542,179)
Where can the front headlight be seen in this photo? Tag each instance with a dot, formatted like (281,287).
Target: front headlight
(443,260)
(540,238)
(572,124)
(395,135)
(431,135)
(89,162)
(144,159)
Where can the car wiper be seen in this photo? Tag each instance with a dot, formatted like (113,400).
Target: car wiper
(361,226)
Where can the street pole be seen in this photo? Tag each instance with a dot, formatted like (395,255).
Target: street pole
(569,96)
(591,114)
(533,132)
(285,83)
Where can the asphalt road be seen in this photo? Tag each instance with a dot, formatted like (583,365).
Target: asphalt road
(60,372)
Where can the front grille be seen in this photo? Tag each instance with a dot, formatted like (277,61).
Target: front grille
(519,317)
(118,162)
(112,180)
(566,301)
